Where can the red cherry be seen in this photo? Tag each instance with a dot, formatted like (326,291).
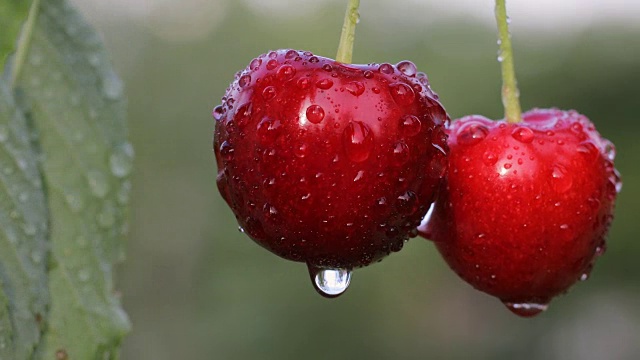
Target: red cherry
(327,163)
(526,206)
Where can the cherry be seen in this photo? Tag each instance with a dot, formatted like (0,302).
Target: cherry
(526,206)
(528,200)
(328,163)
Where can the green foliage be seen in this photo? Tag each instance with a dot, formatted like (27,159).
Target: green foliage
(64,166)
(23,226)
(12,14)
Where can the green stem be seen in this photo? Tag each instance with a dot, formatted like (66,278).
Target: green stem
(345,49)
(510,92)
(24,43)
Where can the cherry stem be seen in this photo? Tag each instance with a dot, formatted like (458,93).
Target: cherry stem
(510,92)
(351,17)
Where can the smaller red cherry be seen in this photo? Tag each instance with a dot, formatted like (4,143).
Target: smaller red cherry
(526,206)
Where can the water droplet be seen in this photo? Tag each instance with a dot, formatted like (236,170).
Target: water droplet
(609,150)
(255,64)
(410,125)
(562,180)
(526,309)
(327,67)
(402,93)
(301,150)
(226,151)
(244,81)
(123,193)
(121,160)
(324,84)
(357,139)
(286,72)
(400,154)
(107,216)
(584,277)
(472,133)
(386,69)
(218,112)
(303,83)
(315,114)
(291,54)
(408,203)
(269,93)
(112,86)
(368,74)
(328,282)
(355,88)
(74,200)
(507,166)
(523,134)
(589,150)
(314,59)
(489,158)
(272,64)
(97,183)
(407,67)
(268,129)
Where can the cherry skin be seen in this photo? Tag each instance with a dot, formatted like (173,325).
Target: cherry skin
(327,163)
(526,206)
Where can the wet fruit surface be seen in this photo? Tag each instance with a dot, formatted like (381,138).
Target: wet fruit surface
(327,163)
(526,207)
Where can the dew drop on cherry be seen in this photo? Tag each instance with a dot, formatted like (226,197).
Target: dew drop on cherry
(589,150)
(523,134)
(315,114)
(410,125)
(357,139)
(324,84)
(268,129)
(407,67)
(272,64)
(526,309)
(286,72)
(355,88)
(255,64)
(218,112)
(472,133)
(489,158)
(329,282)
(226,150)
(303,83)
(269,93)
(386,69)
(244,81)
(400,154)
(562,180)
(402,93)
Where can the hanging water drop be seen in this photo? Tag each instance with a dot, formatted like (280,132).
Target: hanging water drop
(328,282)
(526,309)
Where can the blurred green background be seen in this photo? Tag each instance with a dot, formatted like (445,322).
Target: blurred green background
(196,288)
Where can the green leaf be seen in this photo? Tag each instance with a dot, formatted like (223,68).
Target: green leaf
(12,14)
(23,228)
(76,104)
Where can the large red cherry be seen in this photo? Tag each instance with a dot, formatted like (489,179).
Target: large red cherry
(327,163)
